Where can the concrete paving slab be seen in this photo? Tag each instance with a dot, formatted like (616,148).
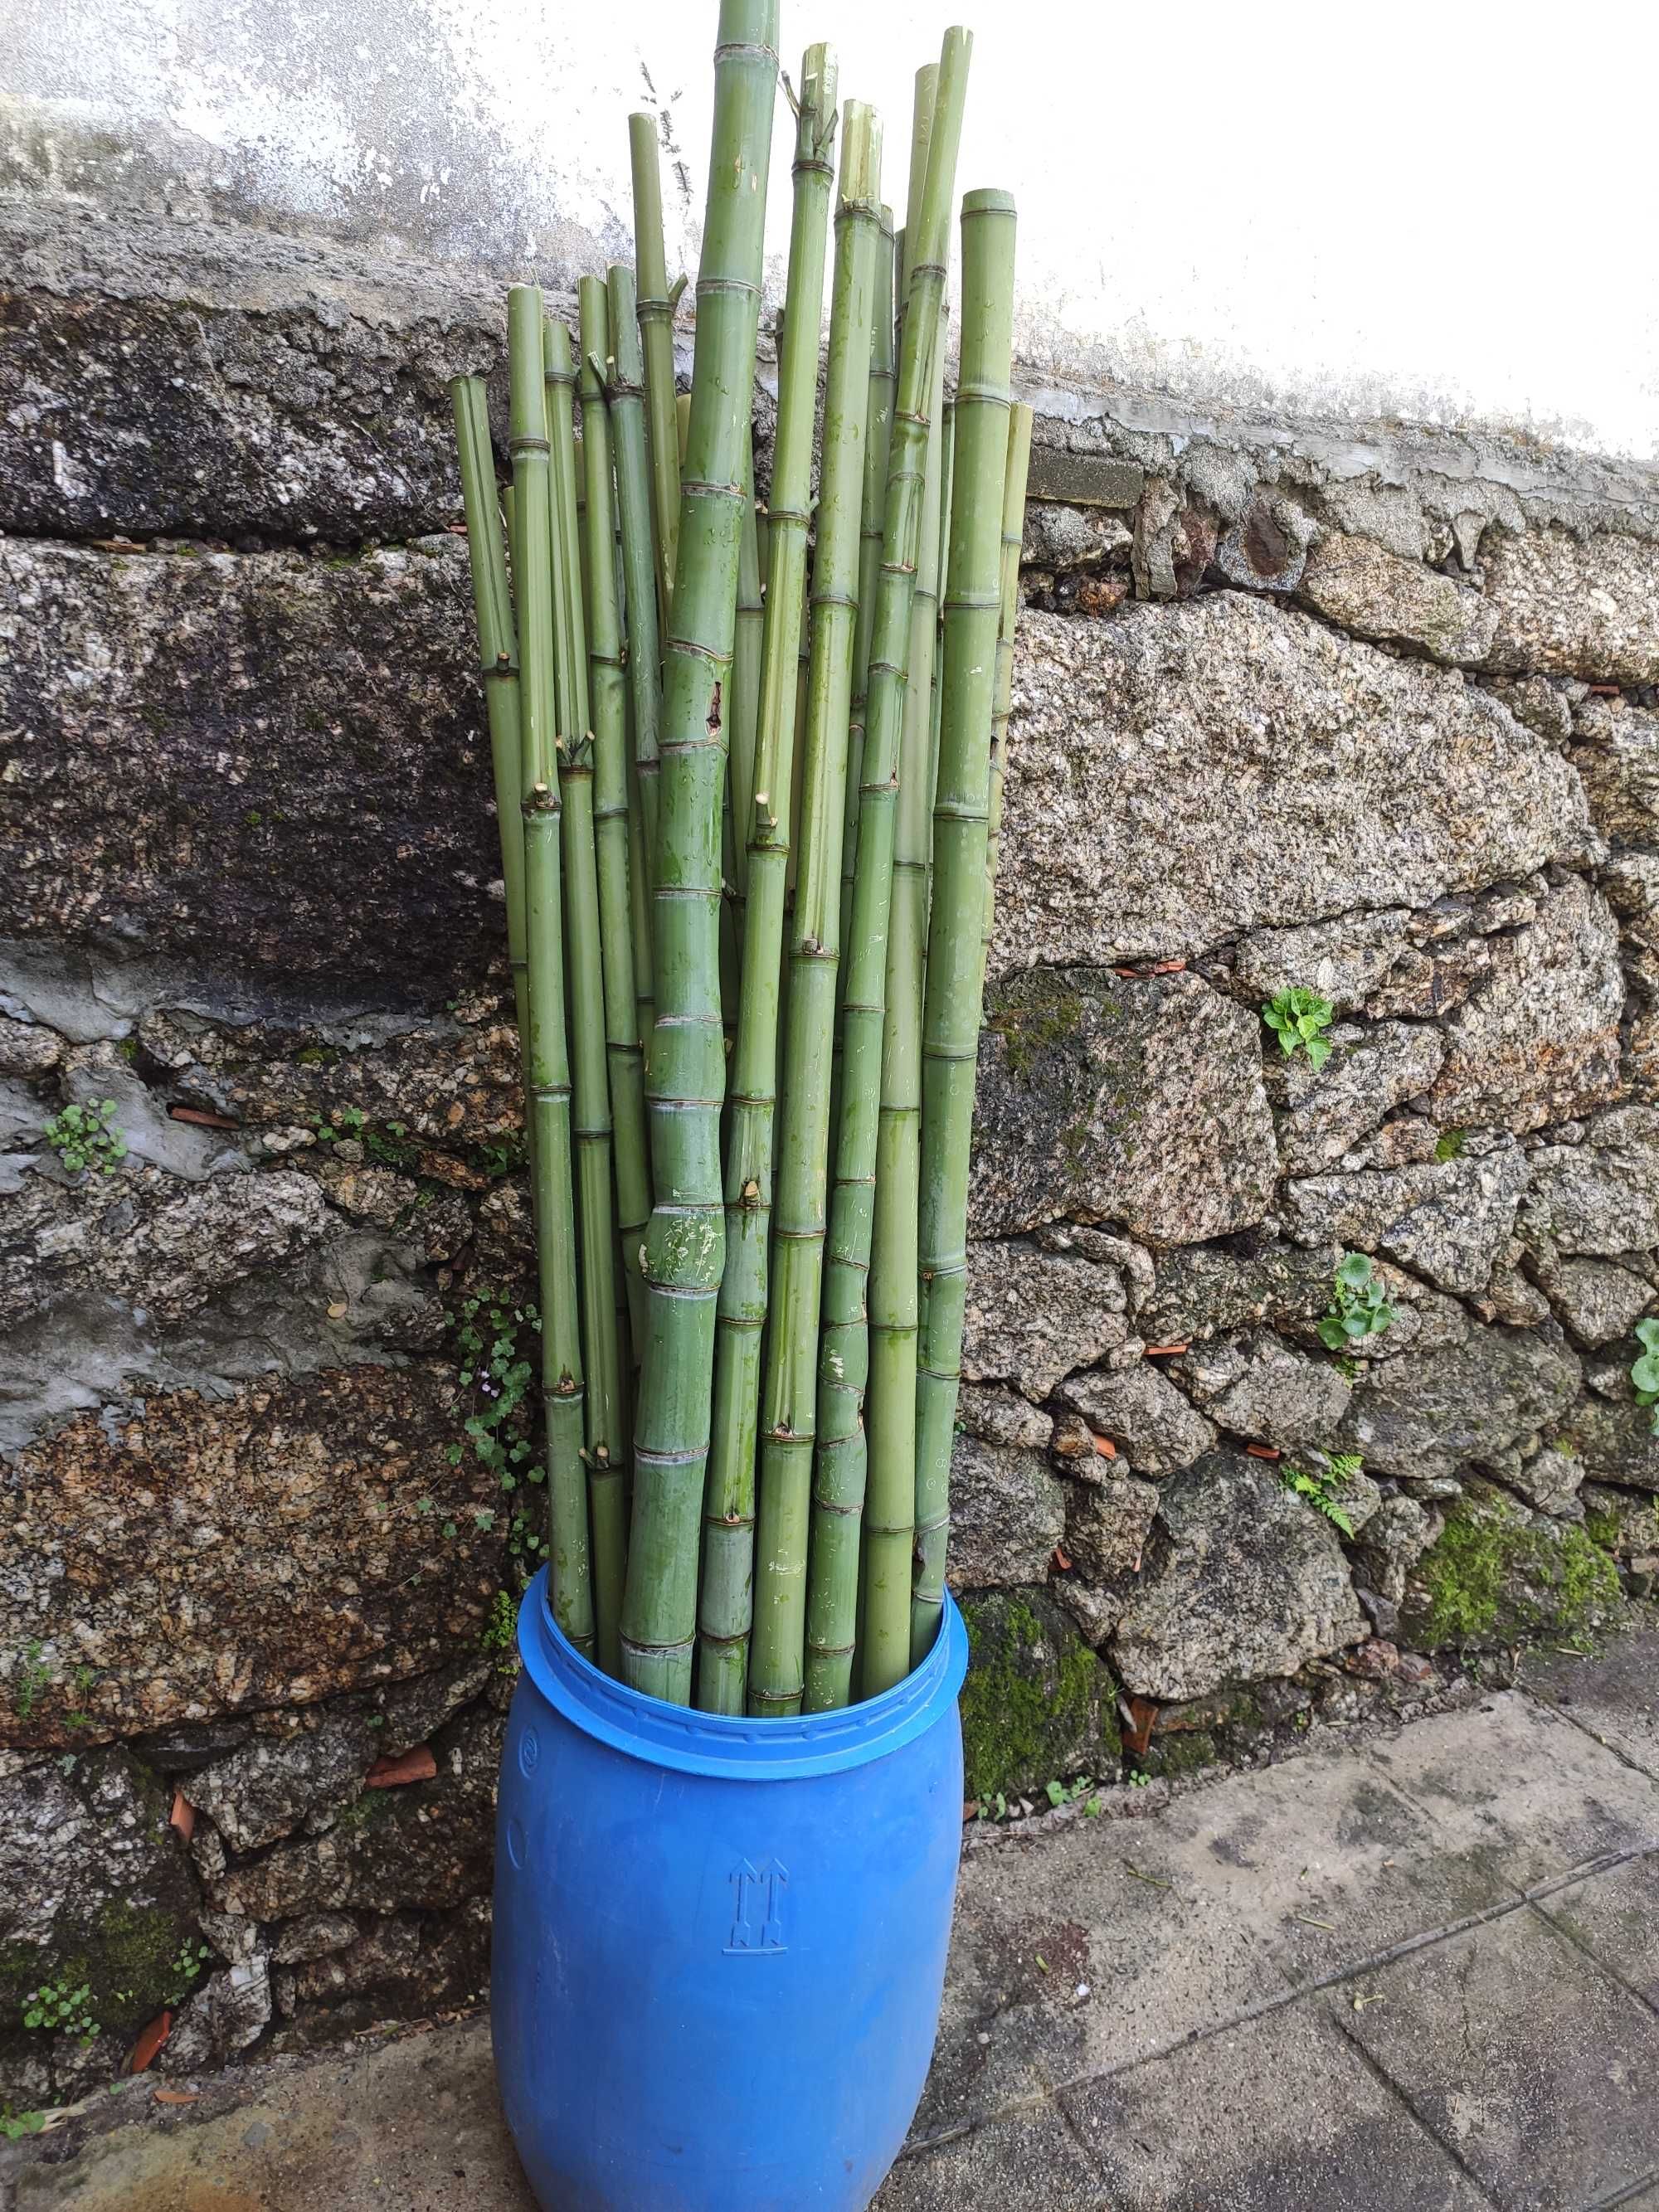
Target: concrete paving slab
(1615,1916)
(1511,1785)
(1281,2113)
(1028,2160)
(1533,2067)
(1147,1930)
(1614,1694)
(406,2126)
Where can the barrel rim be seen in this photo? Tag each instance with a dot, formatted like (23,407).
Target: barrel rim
(739,1748)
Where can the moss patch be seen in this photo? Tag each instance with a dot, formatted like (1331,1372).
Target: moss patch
(1500,1575)
(1180,1751)
(1037,1704)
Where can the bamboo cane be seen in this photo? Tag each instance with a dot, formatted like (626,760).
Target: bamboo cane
(547,1079)
(655,311)
(883,379)
(947,462)
(803,1131)
(729,1511)
(498,657)
(607,688)
(686,1246)
(1013,533)
(575,669)
(625,393)
(886,1438)
(846,1347)
(961,817)
(745,688)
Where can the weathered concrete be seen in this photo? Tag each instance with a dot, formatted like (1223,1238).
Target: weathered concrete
(1429,1955)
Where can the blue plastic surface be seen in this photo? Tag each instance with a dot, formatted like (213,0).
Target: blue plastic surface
(719,1944)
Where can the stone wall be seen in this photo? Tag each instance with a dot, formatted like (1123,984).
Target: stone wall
(1366,709)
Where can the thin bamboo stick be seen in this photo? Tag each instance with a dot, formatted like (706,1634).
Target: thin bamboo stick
(607,687)
(883,379)
(575,669)
(846,1351)
(961,831)
(803,1130)
(947,465)
(656,312)
(498,657)
(1013,533)
(686,1247)
(725,1607)
(887,1435)
(745,687)
(547,1076)
(625,394)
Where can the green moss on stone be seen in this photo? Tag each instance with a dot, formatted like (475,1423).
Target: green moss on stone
(1181,1751)
(1037,1704)
(1029,1029)
(1500,1574)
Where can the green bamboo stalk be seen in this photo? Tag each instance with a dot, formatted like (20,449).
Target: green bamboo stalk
(961,830)
(725,1607)
(686,1247)
(607,687)
(1013,533)
(547,1074)
(845,1362)
(498,657)
(655,311)
(947,464)
(625,394)
(577,668)
(885,1438)
(803,1128)
(883,379)
(745,686)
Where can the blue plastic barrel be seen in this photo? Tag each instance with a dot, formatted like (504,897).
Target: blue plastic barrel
(719,1944)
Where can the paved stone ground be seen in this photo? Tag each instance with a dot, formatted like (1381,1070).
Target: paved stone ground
(1415,1973)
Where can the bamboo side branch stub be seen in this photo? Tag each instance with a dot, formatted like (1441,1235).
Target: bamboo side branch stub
(961,836)
(726,1606)
(547,1073)
(686,1246)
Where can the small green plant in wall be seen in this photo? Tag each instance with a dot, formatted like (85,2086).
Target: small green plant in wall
(87,1137)
(1298,1018)
(1645,1373)
(61,2009)
(1321,1483)
(1359,1308)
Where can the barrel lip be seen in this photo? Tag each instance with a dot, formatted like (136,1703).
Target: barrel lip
(738,1750)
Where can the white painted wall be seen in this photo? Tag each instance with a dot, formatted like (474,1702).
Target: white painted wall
(1439,209)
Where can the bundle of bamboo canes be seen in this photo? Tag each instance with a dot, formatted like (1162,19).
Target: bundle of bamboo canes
(749,835)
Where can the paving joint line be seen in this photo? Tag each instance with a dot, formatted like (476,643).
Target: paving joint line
(1624,2195)
(1605,1862)
(1576,1943)
(1402,2097)
(1564,1713)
